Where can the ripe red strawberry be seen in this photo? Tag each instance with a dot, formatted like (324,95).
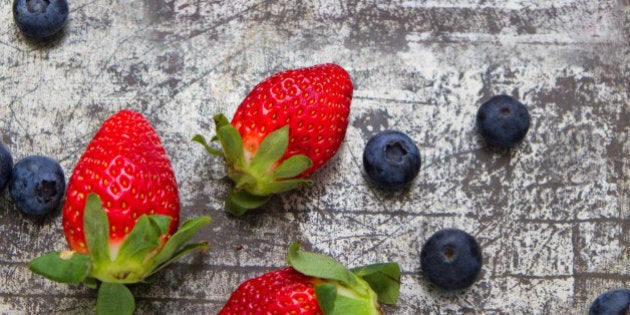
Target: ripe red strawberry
(121,215)
(316,284)
(286,128)
(283,291)
(314,102)
(127,167)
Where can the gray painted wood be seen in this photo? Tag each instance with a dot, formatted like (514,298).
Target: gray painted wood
(552,216)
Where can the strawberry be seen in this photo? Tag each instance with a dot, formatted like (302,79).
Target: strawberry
(284,291)
(286,128)
(316,284)
(126,165)
(121,214)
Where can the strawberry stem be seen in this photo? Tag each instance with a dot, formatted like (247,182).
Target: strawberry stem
(143,251)
(141,255)
(261,175)
(344,291)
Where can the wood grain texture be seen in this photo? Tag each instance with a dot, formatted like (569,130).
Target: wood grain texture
(552,216)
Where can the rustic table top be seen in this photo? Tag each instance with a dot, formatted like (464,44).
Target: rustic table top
(552,216)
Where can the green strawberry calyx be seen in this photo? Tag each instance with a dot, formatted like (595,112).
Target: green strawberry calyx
(144,252)
(347,291)
(258,177)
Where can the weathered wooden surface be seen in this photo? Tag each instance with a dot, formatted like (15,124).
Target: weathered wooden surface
(552,216)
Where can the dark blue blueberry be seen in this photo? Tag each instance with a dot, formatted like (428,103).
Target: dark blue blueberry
(40,18)
(614,302)
(391,159)
(6,165)
(37,185)
(503,121)
(451,259)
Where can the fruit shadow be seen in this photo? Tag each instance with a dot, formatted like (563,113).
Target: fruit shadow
(438,293)
(50,42)
(388,193)
(495,151)
(44,220)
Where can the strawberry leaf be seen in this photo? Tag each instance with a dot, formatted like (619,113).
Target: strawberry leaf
(200,139)
(239,202)
(349,302)
(182,252)
(353,295)
(242,179)
(96,226)
(326,294)
(293,166)
(202,246)
(143,239)
(91,283)
(230,140)
(318,265)
(161,222)
(232,144)
(177,240)
(220,120)
(270,150)
(383,278)
(114,299)
(287,184)
(65,267)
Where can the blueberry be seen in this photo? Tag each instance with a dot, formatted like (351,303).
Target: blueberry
(37,185)
(503,121)
(40,18)
(6,165)
(391,159)
(614,302)
(451,259)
